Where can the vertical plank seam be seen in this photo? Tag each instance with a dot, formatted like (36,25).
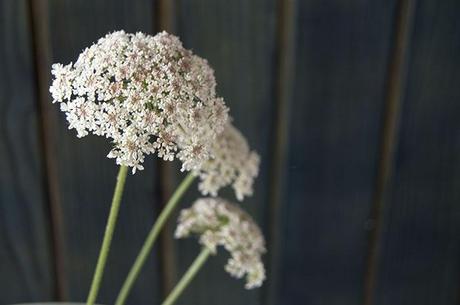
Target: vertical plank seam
(165,16)
(396,77)
(283,77)
(39,28)
(164,13)
(167,250)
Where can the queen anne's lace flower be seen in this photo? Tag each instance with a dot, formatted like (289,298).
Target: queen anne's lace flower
(147,94)
(220,223)
(232,163)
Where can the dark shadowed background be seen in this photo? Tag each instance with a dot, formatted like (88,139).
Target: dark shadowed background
(353,106)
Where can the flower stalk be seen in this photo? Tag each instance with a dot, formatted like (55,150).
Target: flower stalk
(188,276)
(110,228)
(151,238)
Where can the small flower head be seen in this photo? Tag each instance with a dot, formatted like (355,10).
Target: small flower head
(147,94)
(232,162)
(220,223)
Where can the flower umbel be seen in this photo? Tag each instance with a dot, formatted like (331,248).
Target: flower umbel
(220,223)
(232,162)
(147,94)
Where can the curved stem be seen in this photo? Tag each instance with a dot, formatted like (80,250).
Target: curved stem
(151,238)
(188,276)
(109,229)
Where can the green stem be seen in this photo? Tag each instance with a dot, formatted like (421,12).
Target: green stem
(109,229)
(188,277)
(151,238)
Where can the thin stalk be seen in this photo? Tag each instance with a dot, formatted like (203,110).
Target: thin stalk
(188,276)
(151,238)
(109,229)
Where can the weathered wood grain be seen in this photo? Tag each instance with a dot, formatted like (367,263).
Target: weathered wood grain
(283,90)
(339,83)
(421,240)
(238,39)
(26,271)
(87,177)
(395,84)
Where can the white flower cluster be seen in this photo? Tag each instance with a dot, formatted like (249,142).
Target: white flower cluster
(232,163)
(147,94)
(220,223)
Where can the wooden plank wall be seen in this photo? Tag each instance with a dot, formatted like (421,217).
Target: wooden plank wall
(421,233)
(25,258)
(353,107)
(339,77)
